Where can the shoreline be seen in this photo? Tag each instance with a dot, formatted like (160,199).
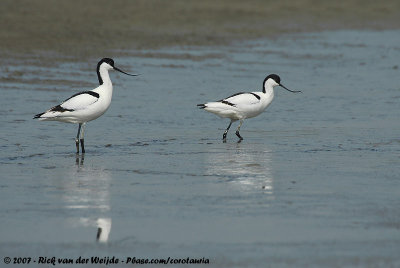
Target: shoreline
(74,29)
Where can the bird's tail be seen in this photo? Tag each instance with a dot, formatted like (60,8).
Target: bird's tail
(38,116)
(219,108)
(47,116)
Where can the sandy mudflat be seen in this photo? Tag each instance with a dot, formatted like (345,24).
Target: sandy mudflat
(314,183)
(78,28)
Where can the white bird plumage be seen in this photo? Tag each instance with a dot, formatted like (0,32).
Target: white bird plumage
(87,105)
(244,104)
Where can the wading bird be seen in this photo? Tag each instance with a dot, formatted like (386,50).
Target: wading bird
(85,106)
(245,104)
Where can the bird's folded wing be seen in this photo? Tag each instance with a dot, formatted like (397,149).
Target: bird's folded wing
(80,101)
(243,99)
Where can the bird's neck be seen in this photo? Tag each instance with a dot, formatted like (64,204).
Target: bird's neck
(267,96)
(103,76)
(105,88)
(268,89)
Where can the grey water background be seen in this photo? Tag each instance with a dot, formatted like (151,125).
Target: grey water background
(315,182)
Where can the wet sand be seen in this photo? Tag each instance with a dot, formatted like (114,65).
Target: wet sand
(98,27)
(314,183)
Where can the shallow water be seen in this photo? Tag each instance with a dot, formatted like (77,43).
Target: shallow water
(314,183)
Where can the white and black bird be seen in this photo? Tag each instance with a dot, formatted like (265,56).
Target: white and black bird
(85,106)
(244,104)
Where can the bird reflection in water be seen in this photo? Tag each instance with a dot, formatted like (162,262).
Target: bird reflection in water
(103,229)
(87,194)
(246,166)
(79,159)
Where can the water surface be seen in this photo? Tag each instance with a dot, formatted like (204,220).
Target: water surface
(314,183)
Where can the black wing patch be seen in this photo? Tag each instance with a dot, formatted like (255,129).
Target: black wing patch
(227,102)
(240,93)
(94,94)
(224,101)
(59,108)
(255,95)
(234,95)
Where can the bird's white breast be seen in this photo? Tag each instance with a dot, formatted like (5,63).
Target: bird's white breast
(249,110)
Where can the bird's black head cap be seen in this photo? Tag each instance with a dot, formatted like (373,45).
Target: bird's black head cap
(106,60)
(275,77)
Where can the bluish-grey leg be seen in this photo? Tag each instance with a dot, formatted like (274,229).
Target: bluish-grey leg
(77,138)
(82,138)
(226,132)
(237,131)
